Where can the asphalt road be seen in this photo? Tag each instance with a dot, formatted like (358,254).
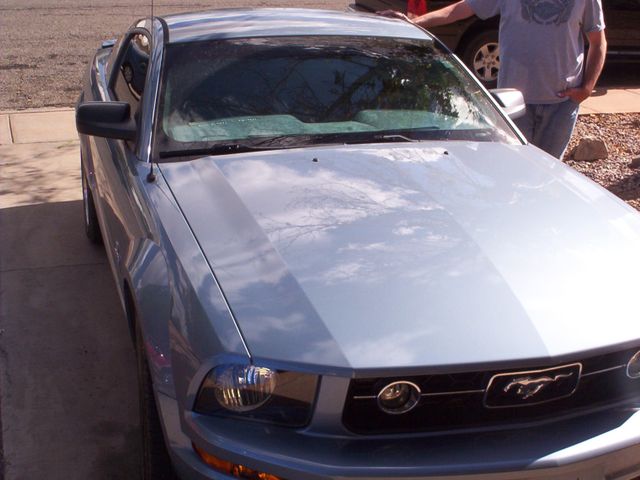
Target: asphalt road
(47,44)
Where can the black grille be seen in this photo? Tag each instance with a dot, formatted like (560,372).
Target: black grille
(457,401)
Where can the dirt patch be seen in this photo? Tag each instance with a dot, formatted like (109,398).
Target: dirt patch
(620,132)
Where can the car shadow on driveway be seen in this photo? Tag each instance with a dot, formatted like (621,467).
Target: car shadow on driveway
(68,382)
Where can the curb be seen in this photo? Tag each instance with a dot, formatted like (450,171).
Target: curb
(44,125)
(37,110)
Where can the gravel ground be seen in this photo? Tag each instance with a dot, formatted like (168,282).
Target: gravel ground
(47,44)
(620,133)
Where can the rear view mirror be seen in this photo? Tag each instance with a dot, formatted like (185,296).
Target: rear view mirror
(511,101)
(106,119)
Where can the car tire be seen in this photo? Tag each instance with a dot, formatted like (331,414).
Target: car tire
(91,225)
(481,54)
(156,463)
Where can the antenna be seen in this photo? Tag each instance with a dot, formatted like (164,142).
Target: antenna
(151,177)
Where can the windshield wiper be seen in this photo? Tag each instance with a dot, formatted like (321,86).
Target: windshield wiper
(386,137)
(252,144)
(281,141)
(338,138)
(278,142)
(216,149)
(395,137)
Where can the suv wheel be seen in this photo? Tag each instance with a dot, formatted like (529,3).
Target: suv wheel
(482,55)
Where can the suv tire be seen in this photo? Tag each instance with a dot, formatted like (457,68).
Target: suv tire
(481,54)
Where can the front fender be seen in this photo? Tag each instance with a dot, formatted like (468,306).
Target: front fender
(183,315)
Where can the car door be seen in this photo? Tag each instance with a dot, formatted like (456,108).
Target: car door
(116,172)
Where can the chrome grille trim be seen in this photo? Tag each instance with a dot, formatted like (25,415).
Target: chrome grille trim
(483,390)
(461,392)
(605,370)
(430,394)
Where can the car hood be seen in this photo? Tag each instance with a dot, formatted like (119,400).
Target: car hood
(443,256)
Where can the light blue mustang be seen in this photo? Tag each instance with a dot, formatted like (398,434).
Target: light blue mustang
(339,259)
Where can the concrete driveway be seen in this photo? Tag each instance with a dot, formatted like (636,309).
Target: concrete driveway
(68,386)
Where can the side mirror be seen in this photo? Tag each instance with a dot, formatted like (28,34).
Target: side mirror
(511,101)
(106,119)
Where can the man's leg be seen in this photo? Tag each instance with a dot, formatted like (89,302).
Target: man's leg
(552,126)
(526,123)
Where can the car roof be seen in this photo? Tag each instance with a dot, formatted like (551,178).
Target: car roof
(270,22)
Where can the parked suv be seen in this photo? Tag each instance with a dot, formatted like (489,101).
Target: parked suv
(475,41)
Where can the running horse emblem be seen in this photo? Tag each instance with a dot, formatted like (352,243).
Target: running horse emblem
(528,387)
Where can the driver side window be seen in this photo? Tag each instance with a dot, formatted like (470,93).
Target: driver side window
(130,76)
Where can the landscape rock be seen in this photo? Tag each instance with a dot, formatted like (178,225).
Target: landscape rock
(620,131)
(589,149)
(635,162)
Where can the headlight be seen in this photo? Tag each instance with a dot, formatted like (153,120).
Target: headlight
(243,388)
(633,367)
(258,393)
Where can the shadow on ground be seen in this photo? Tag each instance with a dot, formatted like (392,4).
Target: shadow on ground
(69,405)
(39,173)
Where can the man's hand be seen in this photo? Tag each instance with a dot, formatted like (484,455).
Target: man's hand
(595,61)
(578,94)
(444,16)
(394,14)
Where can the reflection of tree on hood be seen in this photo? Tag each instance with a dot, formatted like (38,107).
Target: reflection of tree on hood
(547,12)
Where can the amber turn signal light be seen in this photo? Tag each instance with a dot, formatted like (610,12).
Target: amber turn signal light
(232,469)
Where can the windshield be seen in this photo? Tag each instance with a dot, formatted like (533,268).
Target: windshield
(226,96)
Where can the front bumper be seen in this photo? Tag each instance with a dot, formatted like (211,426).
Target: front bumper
(604,445)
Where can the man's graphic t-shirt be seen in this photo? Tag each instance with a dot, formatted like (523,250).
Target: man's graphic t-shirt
(541,43)
(547,12)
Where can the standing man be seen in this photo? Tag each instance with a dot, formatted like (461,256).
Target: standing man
(542,55)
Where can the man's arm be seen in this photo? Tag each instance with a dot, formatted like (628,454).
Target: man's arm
(595,62)
(444,16)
